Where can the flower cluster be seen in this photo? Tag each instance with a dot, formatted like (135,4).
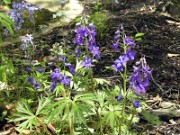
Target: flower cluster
(128,56)
(58,55)
(58,77)
(115,44)
(129,41)
(86,62)
(139,79)
(32,66)
(26,41)
(85,36)
(16,13)
(35,84)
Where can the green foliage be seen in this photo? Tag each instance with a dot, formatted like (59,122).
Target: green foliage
(6,22)
(111,115)
(76,108)
(151,118)
(26,117)
(100,20)
(7,1)
(138,36)
(6,69)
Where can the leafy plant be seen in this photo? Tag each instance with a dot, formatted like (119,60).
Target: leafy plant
(26,117)
(151,118)
(100,20)
(7,23)
(6,69)
(72,111)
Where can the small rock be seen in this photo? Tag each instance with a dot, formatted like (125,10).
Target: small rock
(165,104)
(172,121)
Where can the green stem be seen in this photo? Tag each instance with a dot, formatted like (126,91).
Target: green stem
(71,123)
(129,124)
(120,124)
(124,76)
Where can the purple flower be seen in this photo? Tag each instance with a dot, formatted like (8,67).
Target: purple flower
(91,39)
(27,39)
(77,51)
(136,104)
(119,98)
(56,75)
(71,69)
(129,55)
(28,69)
(117,32)
(119,64)
(53,86)
(16,17)
(129,41)
(80,34)
(40,70)
(115,46)
(91,26)
(35,84)
(86,62)
(65,80)
(139,79)
(117,37)
(19,6)
(29,79)
(31,9)
(95,52)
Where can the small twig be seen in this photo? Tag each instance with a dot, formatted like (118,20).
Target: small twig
(7,132)
(159,86)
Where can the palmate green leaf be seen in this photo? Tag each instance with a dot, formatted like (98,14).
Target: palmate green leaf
(43,102)
(111,118)
(24,108)
(77,112)
(57,109)
(151,118)
(87,98)
(24,115)
(111,115)
(59,88)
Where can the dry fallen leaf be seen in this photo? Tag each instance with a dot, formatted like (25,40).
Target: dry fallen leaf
(26,132)
(157,98)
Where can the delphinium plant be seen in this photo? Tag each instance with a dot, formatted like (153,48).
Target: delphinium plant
(119,114)
(71,83)
(76,85)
